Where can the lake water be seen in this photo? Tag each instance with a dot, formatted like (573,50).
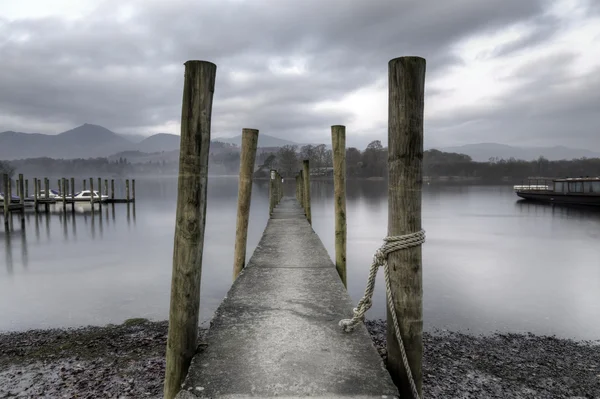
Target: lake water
(490,263)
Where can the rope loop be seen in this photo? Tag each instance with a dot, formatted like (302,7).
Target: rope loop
(391,244)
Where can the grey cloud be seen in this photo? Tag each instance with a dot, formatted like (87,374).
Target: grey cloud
(128,75)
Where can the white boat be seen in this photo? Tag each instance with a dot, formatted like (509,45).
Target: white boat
(51,194)
(86,195)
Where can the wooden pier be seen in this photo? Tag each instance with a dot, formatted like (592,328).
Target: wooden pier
(287,327)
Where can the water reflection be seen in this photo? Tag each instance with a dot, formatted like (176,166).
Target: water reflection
(490,261)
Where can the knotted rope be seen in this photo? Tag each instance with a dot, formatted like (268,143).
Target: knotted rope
(391,244)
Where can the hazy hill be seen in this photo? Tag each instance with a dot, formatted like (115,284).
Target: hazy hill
(264,140)
(484,151)
(85,141)
(159,142)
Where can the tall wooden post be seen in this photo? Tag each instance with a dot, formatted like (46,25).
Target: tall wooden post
(247,158)
(10,188)
(405,141)
(306,175)
(133,190)
(73,195)
(198,89)
(84,184)
(106,187)
(26,188)
(272,177)
(21,191)
(127,189)
(338,139)
(46,189)
(6,199)
(112,189)
(64,194)
(92,193)
(36,193)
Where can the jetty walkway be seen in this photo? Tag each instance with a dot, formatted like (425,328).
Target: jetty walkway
(276,334)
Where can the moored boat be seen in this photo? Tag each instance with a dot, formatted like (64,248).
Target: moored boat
(86,195)
(572,191)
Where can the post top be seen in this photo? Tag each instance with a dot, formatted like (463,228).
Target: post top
(199,62)
(344,126)
(408,57)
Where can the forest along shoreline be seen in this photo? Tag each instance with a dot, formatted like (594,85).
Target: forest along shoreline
(127,360)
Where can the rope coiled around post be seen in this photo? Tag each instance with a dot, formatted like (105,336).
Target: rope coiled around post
(391,244)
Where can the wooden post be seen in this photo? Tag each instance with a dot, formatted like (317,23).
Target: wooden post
(39,188)
(127,189)
(112,189)
(338,139)
(133,189)
(21,191)
(10,186)
(92,193)
(405,141)
(198,89)
(26,188)
(247,158)
(272,176)
(46,194)
(64,194)
(106,187)
(36,193)
(73,195)
(84,184)
(306,174)
(6,199)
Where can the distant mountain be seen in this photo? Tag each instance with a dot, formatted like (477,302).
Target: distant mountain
(484,151)
(159,142)
(264,140)
(85,141)
(134,138)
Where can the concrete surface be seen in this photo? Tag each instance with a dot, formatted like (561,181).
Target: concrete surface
(276,334)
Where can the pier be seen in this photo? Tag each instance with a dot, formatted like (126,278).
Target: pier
(287,327)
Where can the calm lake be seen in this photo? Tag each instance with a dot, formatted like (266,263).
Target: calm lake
(490,263)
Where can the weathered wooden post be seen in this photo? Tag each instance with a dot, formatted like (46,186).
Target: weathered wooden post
(10,187)
(64,194)
(84,184)
(112,189)
(92,193)
(27,188)
(199,86)
(272,176)
(127,190)
(133,190)
(280,182)
(338,139)
(22,194)
(36,193)
(247,158)
(73,194)
(306,175)
(47,196)
(405,140)
(106,187)
(6,199)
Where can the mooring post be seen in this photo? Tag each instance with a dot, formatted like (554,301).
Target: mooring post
(112,189)
(106,187)
(92,193)
(338,140)
(247,158)
(46,194)
(277,187)
(84,184)
(405,141)
(6,199)
(26,188)
(21,191)
(73,194)
(36,193)
(10,186)
(280,182)
(127,189)
(66,184)
(198,89)
(133,190)
(272,176)
(306,175)
(64,194)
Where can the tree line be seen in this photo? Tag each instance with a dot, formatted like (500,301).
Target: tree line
(368,163)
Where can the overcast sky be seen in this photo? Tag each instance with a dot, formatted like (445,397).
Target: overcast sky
(523,72)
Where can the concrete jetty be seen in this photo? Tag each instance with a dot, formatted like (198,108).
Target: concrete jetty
(276,334)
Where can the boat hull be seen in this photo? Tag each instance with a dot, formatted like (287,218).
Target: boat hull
(558,198)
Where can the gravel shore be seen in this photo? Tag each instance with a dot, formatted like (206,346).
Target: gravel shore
(127,361)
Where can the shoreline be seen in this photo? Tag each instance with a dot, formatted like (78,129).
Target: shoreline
(127,360)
